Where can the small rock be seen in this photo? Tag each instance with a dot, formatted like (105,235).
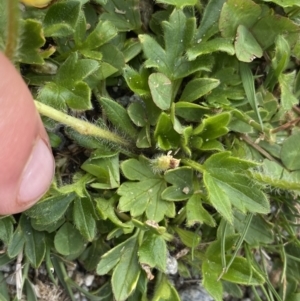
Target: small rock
(88,280)
(5,268)
(172,265)
(79,279)
(77,297)
(195,293)
(11,279)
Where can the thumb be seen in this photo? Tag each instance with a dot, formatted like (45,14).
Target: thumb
(26,161)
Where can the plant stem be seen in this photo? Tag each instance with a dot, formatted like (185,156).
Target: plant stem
(243,117)
(258,148)
(195,165)
(13,22)
(82,127)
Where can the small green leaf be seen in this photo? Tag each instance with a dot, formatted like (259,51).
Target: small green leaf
(267,29)
(290,152)
(178,3)
(74,70)
(189,238)
(288,98)
(54,96)
(126,274)
(5,259)
(164,291)
(171,61)
(50,228)
(127,270)
(80,29)
(156,58)
(242,272)
(190,111)
(79,98)
(92,54)
(143,196)
(239,272)
(282,55)
(280,61)
(223,95)
(55,140)
(112,57)
(92,254)
(4,295)
(235,13)
(35,244)
(30,290)
(61,18)
(84,221)
(106,210)
(195,212)
(16,243)
(103,32)
(207,47)
(212,145)
(227,184)
(105,70)
(197,88)
(246,47)
(137,170)
(68,240)
(154,52)
(210,16)
(210,283)
(181,178)
(32,40)
(137,81)
(50,209)
(118,116)
(6,229)
(105,168)
(68,86)
(132,47)
(165,135)
(213,127)
(112,257)
(138,114)
(177,35)
(161,90)
(153,251)
(124,14)
(285,3)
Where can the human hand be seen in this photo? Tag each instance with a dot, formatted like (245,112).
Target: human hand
(26,161)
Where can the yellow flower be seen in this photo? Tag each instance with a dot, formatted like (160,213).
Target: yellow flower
(36,3)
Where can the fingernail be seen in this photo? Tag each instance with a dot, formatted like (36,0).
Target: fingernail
(37,175)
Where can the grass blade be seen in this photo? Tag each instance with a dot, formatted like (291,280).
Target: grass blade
(248,84)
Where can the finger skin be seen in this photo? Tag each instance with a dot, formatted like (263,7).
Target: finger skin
(20,128)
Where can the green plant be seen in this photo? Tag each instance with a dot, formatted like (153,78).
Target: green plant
(205,156)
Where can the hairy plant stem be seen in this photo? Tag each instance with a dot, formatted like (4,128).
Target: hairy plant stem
(195,165)
(82,127)
(12,32)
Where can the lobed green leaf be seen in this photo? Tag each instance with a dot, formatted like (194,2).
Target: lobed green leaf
(227,185)
(61,18)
